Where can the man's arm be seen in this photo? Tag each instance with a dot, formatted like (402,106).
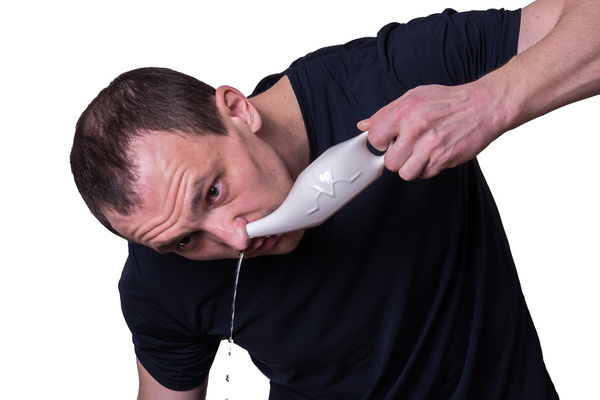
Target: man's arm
(438,127)
(150,389)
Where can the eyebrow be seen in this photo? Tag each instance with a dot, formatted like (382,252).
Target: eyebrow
(198,195)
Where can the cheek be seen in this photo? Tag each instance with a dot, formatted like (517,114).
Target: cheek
(262,178)
(279,187)
(270,181)
(278,178)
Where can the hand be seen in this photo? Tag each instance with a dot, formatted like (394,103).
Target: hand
(435,127)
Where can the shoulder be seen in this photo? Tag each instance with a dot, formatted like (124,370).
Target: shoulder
(450,47)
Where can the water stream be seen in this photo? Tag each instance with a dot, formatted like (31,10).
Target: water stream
(230,339)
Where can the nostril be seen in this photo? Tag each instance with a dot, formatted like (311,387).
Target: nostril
(241,239)
(231,233)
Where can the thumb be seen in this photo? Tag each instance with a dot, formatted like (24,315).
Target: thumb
(364,125)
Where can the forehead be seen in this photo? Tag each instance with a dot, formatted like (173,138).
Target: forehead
(158,150)
(158,157)
(165,164)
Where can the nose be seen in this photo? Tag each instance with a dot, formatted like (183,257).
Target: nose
(229,232)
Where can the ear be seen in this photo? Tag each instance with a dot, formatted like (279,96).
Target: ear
(233,105)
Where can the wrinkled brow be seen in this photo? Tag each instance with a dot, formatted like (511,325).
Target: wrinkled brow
(197,198)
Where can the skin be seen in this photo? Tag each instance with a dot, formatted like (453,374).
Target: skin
(199,192)
(435,127)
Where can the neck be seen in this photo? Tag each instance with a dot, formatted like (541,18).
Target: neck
(283,126)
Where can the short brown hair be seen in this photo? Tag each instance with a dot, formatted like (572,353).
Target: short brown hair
(136,103)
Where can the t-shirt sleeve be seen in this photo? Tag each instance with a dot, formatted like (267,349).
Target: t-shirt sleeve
(450,47)
(175,353)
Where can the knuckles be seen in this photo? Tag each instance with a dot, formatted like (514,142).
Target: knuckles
(423,146)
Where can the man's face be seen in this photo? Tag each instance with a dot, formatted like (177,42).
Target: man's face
(199,193)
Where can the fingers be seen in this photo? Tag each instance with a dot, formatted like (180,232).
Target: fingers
(433,128)
(413,145)
(385,128)
(364,125)
(376,126)
(416,167)
(407,161)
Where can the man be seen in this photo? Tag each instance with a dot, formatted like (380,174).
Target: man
(410,290)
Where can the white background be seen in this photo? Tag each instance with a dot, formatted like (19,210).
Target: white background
(61,330)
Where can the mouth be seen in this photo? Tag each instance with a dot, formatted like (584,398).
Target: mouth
(264,243)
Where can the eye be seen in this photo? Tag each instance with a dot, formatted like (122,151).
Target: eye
(214,192)
(185,242)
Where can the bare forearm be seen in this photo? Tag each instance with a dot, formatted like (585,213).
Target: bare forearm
(439,127)
(561,68)
(150,389)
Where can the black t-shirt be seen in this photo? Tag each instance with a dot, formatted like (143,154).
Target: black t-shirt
(408,292)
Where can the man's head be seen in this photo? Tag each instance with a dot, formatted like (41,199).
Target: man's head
(134,104)
(165,160)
